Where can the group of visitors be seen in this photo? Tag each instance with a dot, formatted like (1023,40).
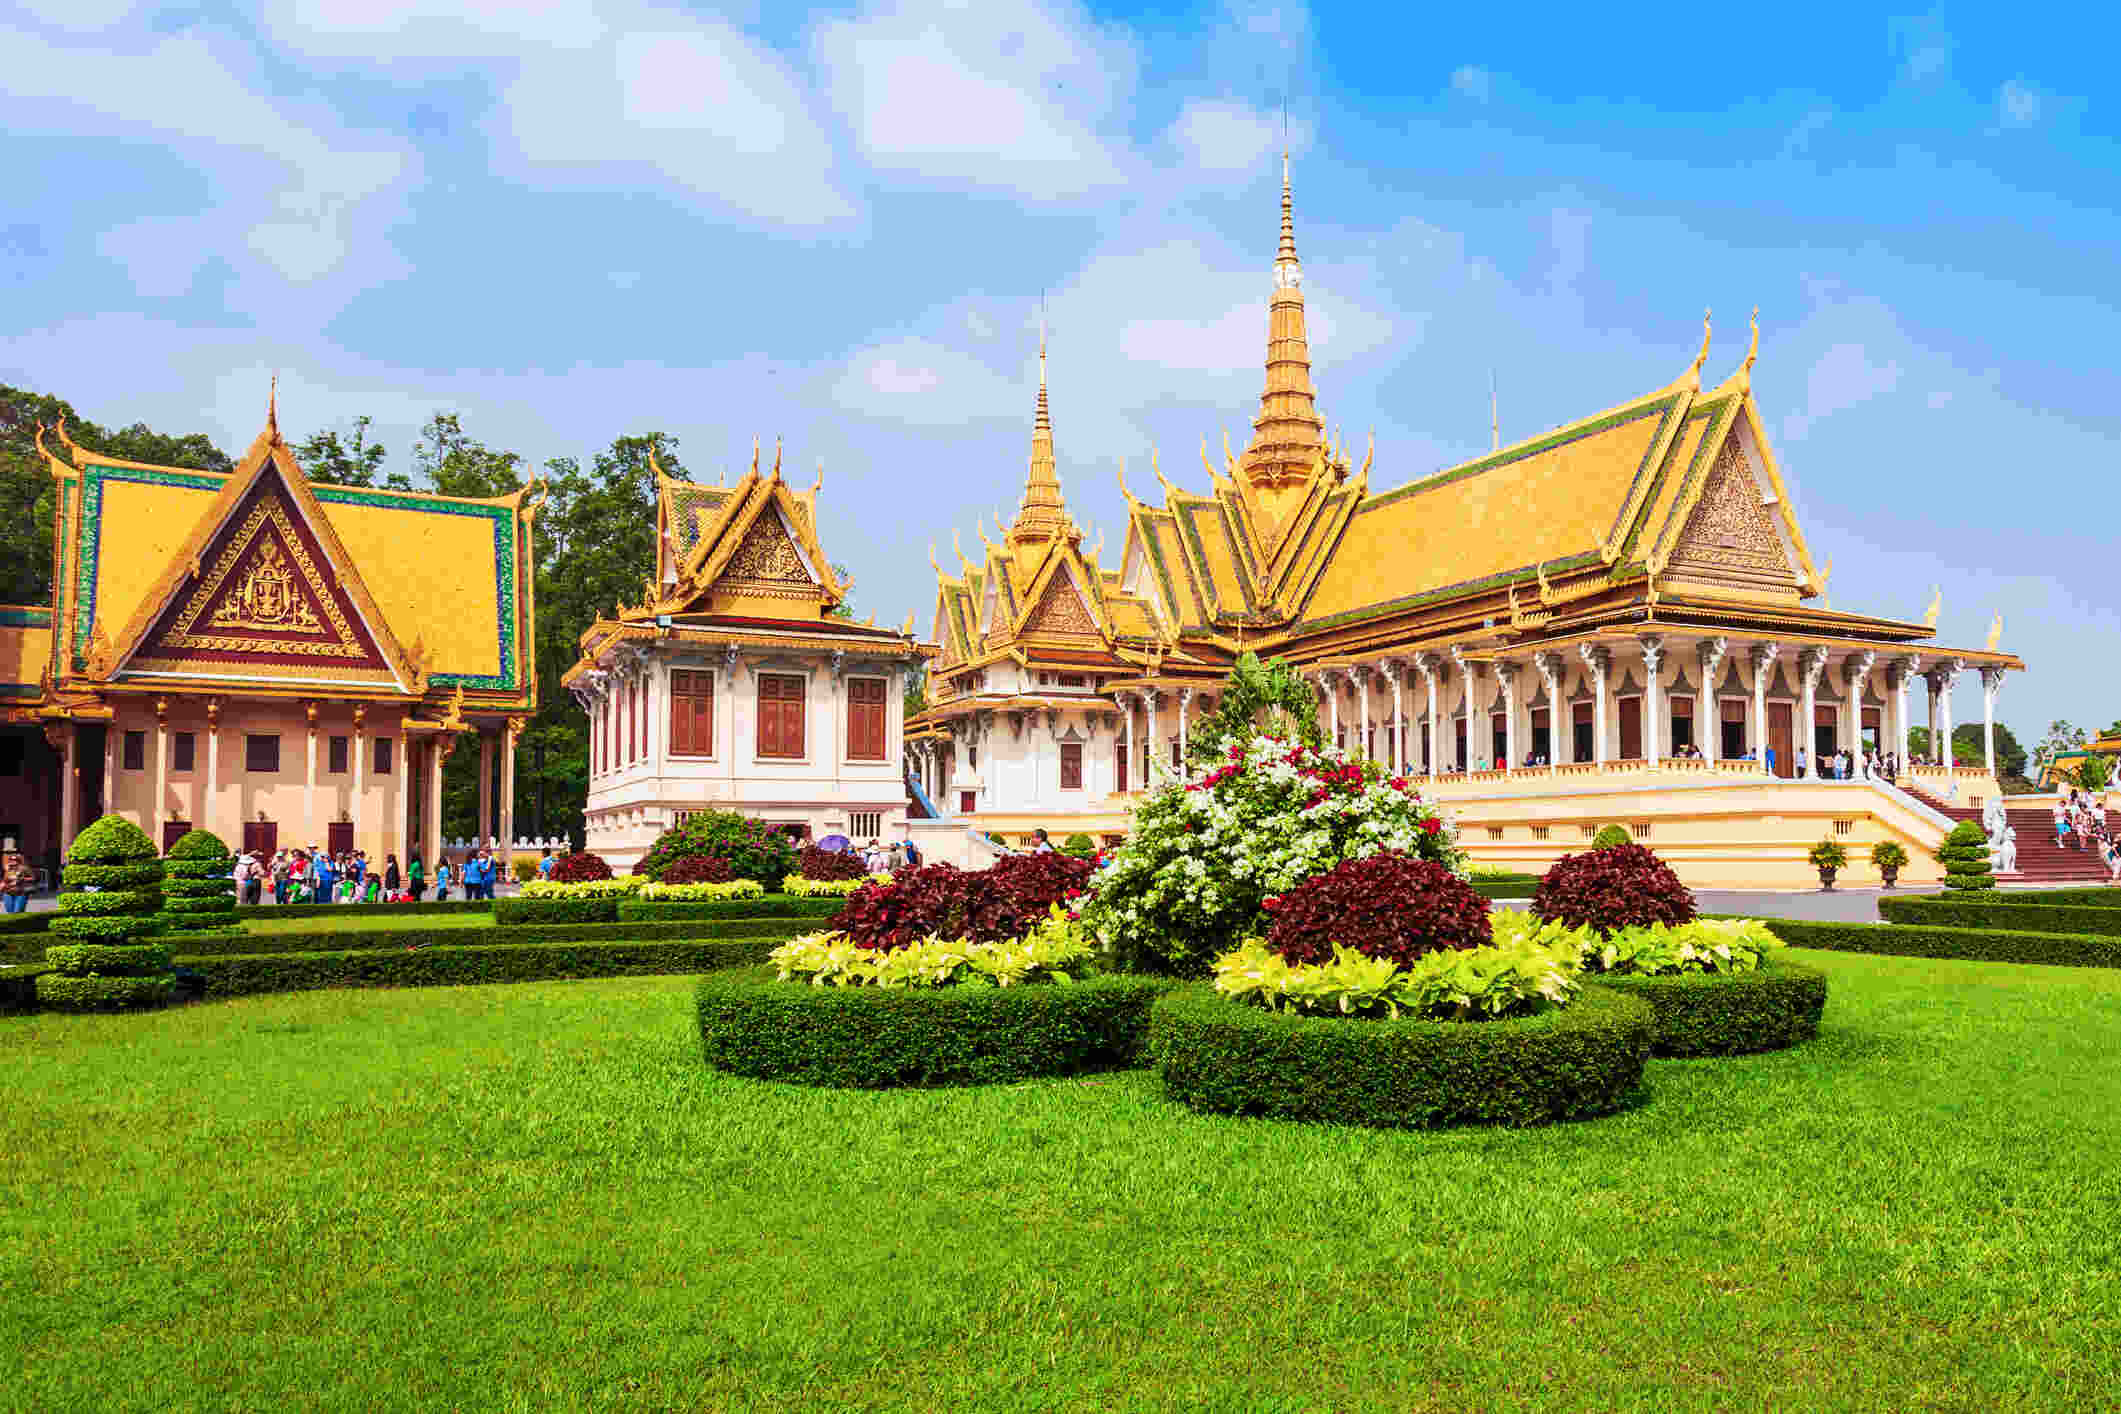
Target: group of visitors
(316,876)
(2080,822)
(881,858)
(17,882)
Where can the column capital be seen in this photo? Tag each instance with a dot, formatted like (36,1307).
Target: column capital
(1764,655)
(1900,668)
(1597,657)
(1549,663)
(1711,652)
(1991,681)
(1811,665)
(1652,650)
(1858,666)
(1425,663)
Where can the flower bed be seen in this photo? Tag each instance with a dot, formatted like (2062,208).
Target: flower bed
(724,891)
(1055,951)
(799,886)
(546,901)
(752,1023)
(1228,1057)
(804,910)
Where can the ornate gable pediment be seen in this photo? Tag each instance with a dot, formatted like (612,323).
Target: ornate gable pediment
(1729,537)
(1061,613)
(766,560)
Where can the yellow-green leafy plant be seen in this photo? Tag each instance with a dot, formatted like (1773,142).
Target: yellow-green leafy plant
(1459,984)
(1055,950)
(696,893)
(796,886)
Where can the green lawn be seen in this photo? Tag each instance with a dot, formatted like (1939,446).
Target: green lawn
(261,920)
(534,1197)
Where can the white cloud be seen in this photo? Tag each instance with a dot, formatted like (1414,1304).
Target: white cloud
(1007,94)
(922,382)
(368,30)
(1225,137)
(298,196)
(695,100)
(1472,81)
(2019,104)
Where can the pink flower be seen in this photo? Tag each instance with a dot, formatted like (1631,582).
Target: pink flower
(1432,825)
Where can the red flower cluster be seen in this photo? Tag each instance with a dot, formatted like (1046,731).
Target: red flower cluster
(1003,901)
(831,863)
(580,867)
(1620,886)
(697,869)
(1390,906)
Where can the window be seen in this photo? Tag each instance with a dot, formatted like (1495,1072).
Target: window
(865,719)
(691,714)
(967,802)
(972,758)
(865,824)
(1177,762)
(1071,679)
(1119,768)
(181,746)
(1071,765)
(135,751)
(633,743)
(335,756)
(261,754)
(383,754)
(781,715)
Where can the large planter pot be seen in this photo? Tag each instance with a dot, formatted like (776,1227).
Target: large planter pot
(1891,877)
(1826,879)
(754,1024)
(1730,1013)
(1228,1057)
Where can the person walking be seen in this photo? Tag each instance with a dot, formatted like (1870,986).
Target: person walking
(1044,845)
(391,878)
(16,881)
(279,876)
(442,879)
(415,878)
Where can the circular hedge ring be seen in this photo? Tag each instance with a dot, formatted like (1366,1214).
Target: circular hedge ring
(1730,1013)
(1228,1057)
(754,1024)
(63,993)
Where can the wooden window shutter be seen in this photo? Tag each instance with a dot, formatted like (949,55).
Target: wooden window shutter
(865,719)
(1071,765)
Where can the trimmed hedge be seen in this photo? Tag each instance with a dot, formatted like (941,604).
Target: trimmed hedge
(251,975)
(95,927)
(753,1024)
(99,959)
(1505,888)
(61,993)
(1949,912)
(108,903)
(342,910)
(1730,1013)
(111,876)
(419,939)
(515,912)
(1958,944)
(18,989)
(24,922)
(809,910)
(1229,1058)
(2051,898)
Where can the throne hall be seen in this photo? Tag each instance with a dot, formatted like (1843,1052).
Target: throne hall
(1617,621)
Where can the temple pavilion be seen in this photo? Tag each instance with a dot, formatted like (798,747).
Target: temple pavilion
(1616,621)
(284,662)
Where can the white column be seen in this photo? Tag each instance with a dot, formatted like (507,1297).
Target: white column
(1950,674)
(656,683)
(1549,665)
(67,743)
(1859,671)
(1929,680)
(309,776)
(355,747)
(1126,729)
(1465,682)
(110,767)
(1898,677)
(1991,684)
(1399,720)
(438,749)
(1428,667)
(1763,658)
(1332,705)
(211,813)
(1506,679)
(1811,663)
(485,786)
(510,730)
(1149,736)
(1652,698)
(1362,696)
(160,809)
(1185,708)
(1708,708)
(1597,660)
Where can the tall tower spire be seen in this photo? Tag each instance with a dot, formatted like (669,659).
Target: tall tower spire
(1042,514)
(1288,433)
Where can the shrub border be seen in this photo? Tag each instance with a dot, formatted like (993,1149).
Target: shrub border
(240,944)
(2011,917)
(1959,944)
(752,1024)
(341,910)
(811,911)
(252,975)
(1729,1013)
(1226,1057)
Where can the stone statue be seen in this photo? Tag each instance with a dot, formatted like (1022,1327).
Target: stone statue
(2006,855)
(1994,819)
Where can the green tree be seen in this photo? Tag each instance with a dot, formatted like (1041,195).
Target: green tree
(26,484)
(1969,749)
(915,701)
(456,464)
(1271,696)
(349,461)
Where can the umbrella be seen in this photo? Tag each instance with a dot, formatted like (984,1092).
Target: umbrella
(834,843)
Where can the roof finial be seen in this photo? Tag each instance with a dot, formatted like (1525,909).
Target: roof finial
(272,406)
(1703,356)
(1745,370)
(776,456)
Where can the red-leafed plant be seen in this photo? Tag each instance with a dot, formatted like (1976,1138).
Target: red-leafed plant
(944,902)
(581,867)
(1390,906)
(1620,886)
(818,863)
(697,869)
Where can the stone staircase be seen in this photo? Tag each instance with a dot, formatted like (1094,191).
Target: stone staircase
(2040,859)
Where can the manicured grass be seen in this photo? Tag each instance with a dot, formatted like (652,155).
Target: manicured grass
(257,921)
(536,1196)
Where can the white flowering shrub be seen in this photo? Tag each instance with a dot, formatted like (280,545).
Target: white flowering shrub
(1206,853)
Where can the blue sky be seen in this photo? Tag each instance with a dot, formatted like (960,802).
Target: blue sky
(837,227)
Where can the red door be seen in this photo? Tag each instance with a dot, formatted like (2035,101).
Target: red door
(338,838)
(1782,738)
(261,837)
(172,831)
(1631,729)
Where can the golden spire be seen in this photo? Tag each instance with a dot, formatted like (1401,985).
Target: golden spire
(1288,431)
(1745,370)
(1042,514)
(272,407)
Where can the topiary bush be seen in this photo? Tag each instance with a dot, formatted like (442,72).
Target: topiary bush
(1965,858)
(697,869)
(581,867)
(1564,1063)
(1079,846)
(941,901)
(199,887)
(1389,906)
(1609,836)
(100,958)
(1619,886)
(753,849)
(830,865)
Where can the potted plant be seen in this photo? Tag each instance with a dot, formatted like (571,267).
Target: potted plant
(1890,859)
(1828,857)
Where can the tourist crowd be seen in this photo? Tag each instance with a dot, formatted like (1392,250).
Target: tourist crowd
(315,875)
(2080,823)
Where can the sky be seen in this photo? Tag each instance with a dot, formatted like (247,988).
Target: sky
(579,220)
